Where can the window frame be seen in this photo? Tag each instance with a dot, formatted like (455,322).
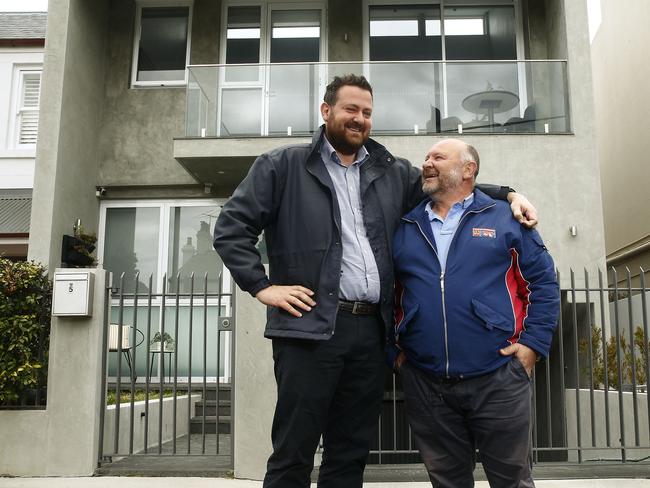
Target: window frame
(141,4)
(20,71)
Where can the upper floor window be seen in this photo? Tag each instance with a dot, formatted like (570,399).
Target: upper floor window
(161,45)
(27,107)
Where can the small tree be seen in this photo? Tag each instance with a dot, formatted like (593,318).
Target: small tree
(25,305)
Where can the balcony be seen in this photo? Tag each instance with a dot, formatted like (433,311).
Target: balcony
(409,97)
(253,105)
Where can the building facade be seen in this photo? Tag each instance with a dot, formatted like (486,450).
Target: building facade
(22,39)
(156,109)
(620,98)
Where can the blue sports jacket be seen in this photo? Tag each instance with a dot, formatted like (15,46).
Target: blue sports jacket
(499,287)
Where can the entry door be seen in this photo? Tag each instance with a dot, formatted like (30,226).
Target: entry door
(272,99)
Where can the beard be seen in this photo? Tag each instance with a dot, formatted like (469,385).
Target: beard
(340,140)
(449,180)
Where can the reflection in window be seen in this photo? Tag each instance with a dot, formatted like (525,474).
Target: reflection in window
(404,32)
(295,36)
(131,245)
(464,27)
(243,35)
(162,52)
(397,28)
(480,33)
(190,249)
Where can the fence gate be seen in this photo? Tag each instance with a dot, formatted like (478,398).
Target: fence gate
(590,395)
(168,372)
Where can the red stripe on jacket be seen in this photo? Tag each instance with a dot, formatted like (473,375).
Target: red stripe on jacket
(519,295)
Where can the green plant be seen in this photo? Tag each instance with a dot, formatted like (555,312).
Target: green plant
(89,240)
(169,343)
(631,353)
(25,305)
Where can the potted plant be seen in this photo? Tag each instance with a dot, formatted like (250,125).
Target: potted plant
(77,249)
(169,345)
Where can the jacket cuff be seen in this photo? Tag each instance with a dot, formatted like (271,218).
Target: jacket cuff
(260,285)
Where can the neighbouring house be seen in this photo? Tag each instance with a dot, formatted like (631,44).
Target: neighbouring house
(619,72)
(22,40)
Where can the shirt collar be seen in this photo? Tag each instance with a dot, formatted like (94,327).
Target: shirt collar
(328,153)
(462,205)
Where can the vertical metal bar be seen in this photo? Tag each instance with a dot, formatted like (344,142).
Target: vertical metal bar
(205,357)
(147,368)
(161,359)
(574,313)
(118,386)
(233,397)
(621,415)
(133,348)
(592,404)
(630,317)
(394,414)
(379,441)
(646,338)
(549,417)
(534,418)
(560,337)
(189,370)
(601,290)
(174,401)
(218,397)
(102,400)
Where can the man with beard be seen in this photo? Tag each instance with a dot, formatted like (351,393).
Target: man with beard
(477,303)
(328,211)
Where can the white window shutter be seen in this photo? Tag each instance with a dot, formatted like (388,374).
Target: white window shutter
(28,112)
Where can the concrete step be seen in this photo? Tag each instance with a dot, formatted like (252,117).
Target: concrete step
(196,424)
(210,408)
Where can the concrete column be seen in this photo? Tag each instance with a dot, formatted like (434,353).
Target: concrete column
(254,391)
(74,388)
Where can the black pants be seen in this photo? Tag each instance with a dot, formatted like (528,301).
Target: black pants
(491,413)
(330,388)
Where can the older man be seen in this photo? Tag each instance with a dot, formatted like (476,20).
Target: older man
(477,303)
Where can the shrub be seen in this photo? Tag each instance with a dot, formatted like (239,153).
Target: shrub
(25,306)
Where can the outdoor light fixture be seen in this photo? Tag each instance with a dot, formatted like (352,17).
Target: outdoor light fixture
(573,230)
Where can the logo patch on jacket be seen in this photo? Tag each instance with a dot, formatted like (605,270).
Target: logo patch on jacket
(479,232)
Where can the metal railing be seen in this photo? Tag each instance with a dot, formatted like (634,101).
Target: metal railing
(410,97)
(590,395)
(184,408)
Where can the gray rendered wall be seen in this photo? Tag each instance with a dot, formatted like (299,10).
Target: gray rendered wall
(345,33)
(69,131)
(62,440)
(139,124)
(621,71)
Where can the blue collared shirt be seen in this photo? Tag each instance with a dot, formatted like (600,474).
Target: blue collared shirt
(359,273)
(444,229)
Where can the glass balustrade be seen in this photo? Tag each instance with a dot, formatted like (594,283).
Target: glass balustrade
(413,97)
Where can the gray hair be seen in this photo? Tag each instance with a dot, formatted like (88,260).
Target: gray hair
(471,154)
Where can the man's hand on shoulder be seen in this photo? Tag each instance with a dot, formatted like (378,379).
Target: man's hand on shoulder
(524,354)
(288,298)
(522,210)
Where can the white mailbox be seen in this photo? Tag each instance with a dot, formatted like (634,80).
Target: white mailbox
(73,293)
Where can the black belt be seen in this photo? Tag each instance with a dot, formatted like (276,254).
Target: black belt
(358,308)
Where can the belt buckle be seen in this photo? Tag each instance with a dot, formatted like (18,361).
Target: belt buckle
(354,308)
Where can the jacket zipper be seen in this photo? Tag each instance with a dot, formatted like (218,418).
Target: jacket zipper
(442,276)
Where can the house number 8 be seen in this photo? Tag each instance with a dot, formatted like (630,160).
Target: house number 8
(70,287)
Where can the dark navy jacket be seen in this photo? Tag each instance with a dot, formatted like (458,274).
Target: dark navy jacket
(499,287)
(289,194)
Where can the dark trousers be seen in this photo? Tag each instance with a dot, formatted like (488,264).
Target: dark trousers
(491,413)
(331,388)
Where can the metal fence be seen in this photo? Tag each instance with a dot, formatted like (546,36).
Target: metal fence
(590,395)
(168,366)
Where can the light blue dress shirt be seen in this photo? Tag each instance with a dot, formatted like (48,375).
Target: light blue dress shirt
(444,229)
(359,273)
